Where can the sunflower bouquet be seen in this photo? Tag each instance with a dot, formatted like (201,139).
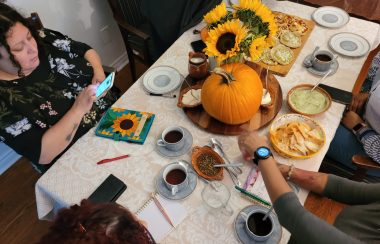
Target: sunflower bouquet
(243,33)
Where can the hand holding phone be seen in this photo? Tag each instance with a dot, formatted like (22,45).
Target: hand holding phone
(105,85)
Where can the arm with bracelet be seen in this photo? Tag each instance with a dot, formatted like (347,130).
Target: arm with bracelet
(303,225)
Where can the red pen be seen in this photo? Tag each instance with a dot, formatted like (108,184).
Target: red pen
(107,160)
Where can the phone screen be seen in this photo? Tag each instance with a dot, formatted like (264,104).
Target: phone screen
(338,95)
(198,46)
(106,84)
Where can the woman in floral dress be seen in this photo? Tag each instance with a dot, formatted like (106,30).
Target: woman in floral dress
(47,89)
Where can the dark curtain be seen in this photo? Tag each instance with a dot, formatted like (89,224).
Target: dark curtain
(170,18)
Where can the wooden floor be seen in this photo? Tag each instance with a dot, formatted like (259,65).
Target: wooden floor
(18,215)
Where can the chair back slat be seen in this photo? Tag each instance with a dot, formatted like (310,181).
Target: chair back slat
(128,10)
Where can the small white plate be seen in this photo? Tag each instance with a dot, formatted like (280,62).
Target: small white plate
(330,17)
(162,80)
(349,44)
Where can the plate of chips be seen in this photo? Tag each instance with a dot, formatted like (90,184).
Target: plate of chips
(297,136)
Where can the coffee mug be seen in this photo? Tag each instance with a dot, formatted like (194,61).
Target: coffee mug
(198,65)
(172,138)
(322,60)
(175,176)
(216,196)
(256,228)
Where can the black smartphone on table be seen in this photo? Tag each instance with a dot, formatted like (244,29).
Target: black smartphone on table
(198,46)
(338,95)
(108,191)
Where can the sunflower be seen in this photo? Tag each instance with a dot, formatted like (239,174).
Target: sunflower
(216,14)
(117,109)
(126,124)
(104,132)
(223,41)
(264,13)
(257,47)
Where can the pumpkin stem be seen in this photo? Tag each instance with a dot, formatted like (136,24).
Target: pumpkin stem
(227,77)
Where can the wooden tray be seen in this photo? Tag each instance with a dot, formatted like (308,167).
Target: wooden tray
(260,119)
(283,70)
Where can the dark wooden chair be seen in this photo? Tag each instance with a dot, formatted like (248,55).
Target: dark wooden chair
(363,163)
(135,31)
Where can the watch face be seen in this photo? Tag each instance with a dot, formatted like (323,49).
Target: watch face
(263,152)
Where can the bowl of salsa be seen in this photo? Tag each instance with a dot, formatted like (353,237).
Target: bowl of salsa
(306,102)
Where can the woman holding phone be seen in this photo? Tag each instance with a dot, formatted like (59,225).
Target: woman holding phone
(47,89)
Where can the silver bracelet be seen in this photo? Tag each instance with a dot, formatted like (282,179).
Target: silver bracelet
(290,172)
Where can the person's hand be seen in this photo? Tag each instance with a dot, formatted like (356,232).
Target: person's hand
(85,99)
(98,77)
(249,142)
(350,119)
(358,101)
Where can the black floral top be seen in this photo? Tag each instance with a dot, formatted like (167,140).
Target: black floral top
(30,105)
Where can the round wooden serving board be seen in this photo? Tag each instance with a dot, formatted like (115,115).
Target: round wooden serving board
(265,114)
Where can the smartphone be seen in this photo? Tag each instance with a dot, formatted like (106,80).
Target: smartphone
(198,46)
(106,84)
(338,95)
(109,191)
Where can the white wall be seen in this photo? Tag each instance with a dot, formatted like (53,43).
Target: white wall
(88,21)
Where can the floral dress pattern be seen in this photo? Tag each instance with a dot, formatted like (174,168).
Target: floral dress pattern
(29,106)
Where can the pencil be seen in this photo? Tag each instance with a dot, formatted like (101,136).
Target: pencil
(253,196)
(161,208)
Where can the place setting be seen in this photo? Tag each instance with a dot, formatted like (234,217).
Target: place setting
(174,141)
(162,81)
(320,62)
(176,180)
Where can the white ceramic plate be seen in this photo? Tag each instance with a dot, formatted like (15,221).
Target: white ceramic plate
(349,44)
(330,17)
(162,79)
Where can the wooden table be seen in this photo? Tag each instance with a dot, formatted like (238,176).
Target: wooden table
(75,175)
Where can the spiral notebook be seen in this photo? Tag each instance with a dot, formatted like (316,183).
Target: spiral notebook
(158,226)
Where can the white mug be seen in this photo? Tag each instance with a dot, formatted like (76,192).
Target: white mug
(172,138)
(248,217)
(175,176)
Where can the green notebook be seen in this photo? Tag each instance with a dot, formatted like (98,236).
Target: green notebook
(122,124)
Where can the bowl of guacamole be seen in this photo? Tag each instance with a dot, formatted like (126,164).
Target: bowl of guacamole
(304,101)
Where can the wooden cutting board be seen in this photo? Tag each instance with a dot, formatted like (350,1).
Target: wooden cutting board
(283,70)
(265,115)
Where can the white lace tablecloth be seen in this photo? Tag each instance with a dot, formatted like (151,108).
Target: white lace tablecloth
(76,175)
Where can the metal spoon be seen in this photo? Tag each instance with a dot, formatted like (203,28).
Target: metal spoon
(217,144)
(327,73)
(228,165)
(267,214)
(232,174)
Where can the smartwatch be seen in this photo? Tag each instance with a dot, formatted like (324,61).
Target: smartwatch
(261,153)
(357,127)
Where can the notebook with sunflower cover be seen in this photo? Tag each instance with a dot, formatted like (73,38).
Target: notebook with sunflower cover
(122,124)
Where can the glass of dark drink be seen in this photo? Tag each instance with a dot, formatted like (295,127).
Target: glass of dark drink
(175,177)
(322,60)
(172,138)
(257,228)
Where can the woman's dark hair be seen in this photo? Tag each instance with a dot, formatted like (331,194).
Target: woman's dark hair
(8,18)
(97,223)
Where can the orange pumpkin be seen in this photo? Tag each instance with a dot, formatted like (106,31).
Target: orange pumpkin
(232,93)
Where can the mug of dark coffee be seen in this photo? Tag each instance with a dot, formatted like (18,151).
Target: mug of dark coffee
(322,60)
(257,228)
(175,176)
(172,138)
